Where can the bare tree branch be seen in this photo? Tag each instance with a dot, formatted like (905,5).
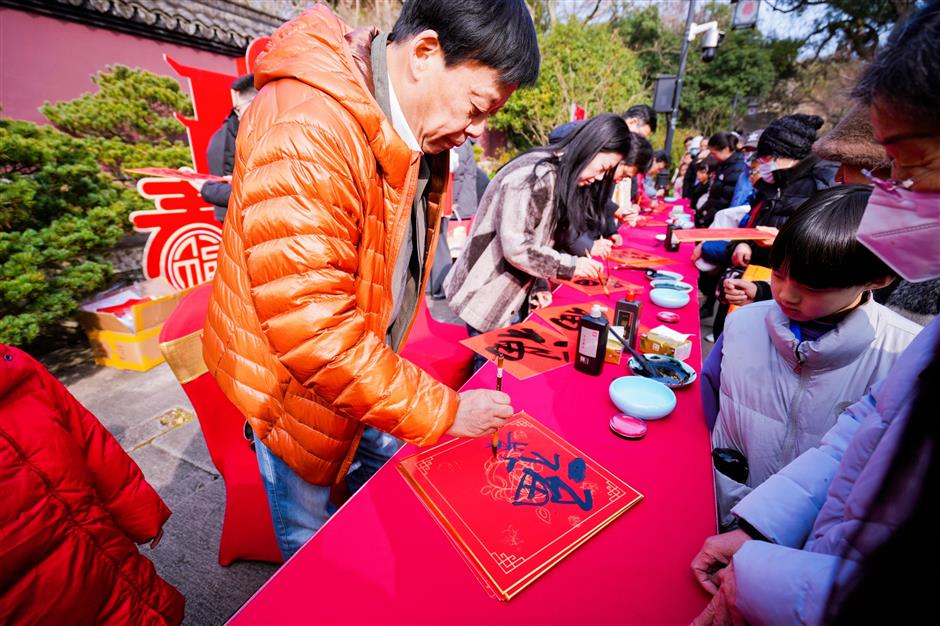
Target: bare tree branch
(590,17)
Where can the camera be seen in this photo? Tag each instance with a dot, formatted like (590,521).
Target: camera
(710,42)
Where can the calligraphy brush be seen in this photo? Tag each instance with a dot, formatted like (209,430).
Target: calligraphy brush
(603,278)
(494,442)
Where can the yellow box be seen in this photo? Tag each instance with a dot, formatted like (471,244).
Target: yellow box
(665,341)
(128,351)
(162,300)
(614,350)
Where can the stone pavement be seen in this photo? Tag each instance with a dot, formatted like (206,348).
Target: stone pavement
(150,416)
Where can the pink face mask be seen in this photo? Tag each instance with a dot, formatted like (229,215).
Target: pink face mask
(902,227)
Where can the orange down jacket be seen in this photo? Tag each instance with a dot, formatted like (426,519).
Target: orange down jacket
(73,506)
(321,195)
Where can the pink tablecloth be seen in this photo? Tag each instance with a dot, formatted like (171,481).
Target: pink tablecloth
(382,559)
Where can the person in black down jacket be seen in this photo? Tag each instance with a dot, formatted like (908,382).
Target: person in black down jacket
(221,150)
(790,174)
(724,148)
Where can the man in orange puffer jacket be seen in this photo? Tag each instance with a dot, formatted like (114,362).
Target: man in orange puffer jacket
(73,507)
(339,168)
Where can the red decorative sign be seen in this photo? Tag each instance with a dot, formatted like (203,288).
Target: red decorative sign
(184,236)
(184,242)
(578,112)
(515,516)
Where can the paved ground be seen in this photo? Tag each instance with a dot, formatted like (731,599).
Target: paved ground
(152,419)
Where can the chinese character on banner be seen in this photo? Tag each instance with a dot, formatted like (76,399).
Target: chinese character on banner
(184,237)
(184,240)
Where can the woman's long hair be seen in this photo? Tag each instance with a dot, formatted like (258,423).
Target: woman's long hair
(578,207)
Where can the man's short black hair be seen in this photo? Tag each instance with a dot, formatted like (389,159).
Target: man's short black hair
(496,33)
(817,246)
(644,113)
(244,84)
(662,156)
(640,154)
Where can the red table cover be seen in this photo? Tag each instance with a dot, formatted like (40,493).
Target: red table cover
(381,559)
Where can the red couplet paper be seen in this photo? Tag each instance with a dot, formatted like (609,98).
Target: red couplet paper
(722,234)
(566,317)
(527,348)
(646,222)
(631,257)
(591,287)
(514,517)
(169,172)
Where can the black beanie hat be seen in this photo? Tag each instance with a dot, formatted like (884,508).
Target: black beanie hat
(791,136)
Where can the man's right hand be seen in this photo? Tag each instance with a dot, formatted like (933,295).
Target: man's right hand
(715,554)
(481,411)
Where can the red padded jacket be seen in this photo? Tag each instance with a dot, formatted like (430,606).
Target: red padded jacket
(73,506)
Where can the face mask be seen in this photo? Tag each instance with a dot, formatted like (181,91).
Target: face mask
(694,152)
(766,171)
(902,228)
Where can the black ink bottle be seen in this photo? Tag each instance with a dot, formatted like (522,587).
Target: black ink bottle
(627,314)
(670,243)
(592,341)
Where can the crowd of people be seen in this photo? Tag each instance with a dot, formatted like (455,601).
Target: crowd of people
(817,392)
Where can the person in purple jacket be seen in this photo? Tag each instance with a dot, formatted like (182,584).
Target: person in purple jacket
(839,533)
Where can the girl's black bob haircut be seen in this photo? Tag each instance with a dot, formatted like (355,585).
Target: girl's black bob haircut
(817,246)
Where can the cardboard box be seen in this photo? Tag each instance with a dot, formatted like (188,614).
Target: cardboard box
(614,350)
(128,338)
(666,341)
(127,351)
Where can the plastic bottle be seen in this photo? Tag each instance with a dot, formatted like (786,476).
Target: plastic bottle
(592,341)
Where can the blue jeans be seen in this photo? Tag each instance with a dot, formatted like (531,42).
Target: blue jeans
(299,508)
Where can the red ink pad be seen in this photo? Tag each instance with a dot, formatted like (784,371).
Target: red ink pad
(627,427)
(667,316)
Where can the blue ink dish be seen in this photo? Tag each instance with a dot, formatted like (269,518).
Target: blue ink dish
(642,397)
(668,283)
(675,373)
(663,274)
(669,298)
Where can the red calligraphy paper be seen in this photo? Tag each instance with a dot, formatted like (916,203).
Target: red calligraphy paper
(591,287)
(168,172)
(631,257)
(514,517)
(527,348)
(645,222)
(566,317)
(722,234)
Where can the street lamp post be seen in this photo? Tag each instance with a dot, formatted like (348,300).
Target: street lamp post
(674,116)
